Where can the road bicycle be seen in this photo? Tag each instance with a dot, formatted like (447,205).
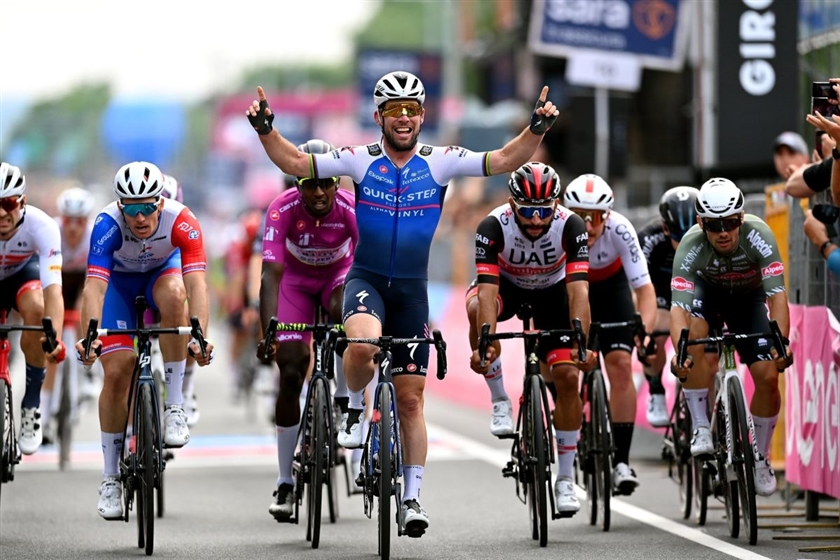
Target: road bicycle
(532,452)
(594,461)
(142,460)
(9,451)
(382,466)
(729,473)
(65,401)
(315,462)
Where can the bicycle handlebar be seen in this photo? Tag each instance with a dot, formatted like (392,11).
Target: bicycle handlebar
(46,327)
(274,327)
(575,334)
(727,338)
(385,342)
(94,332)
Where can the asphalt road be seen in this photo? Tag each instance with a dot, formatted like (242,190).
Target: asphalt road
(218,489)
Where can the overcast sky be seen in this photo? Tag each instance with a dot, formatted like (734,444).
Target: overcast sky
(180,49)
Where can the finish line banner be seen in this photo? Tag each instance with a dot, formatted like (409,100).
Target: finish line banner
(652,30)
(812,401)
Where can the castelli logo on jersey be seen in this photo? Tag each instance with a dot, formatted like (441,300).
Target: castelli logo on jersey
(383,169)
(301,225)
(681,284)
(274,215)
(773,269)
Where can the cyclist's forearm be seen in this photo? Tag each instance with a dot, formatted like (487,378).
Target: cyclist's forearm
(579,303)
(514,153)
(285,155)
(646,296)
(680,319)
(780,311)
(487,306)
(93,298)
(54,307)
(198,304)
(269,288)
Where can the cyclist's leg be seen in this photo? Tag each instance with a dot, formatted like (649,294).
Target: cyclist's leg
(611,300)
(362,313)
(501,419)
(408,304)
(166,293)
(749,314)
(657,410)
(29,302)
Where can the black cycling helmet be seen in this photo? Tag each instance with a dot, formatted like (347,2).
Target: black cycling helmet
(315,146)
(678,210)
(534,183)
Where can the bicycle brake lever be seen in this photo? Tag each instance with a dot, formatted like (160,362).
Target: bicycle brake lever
(198,335)
(580,338)
(50,343)
(440,346)
(483,342)
(91,335)
(270,332)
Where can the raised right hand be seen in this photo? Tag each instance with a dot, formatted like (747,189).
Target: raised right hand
(259,114)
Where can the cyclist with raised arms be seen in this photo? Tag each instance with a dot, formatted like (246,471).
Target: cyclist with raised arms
(308,242)
(142,244)
(659,240)
(728,270)
(32,287)
(616,266)
(400,186)
(533,251)
(74,208)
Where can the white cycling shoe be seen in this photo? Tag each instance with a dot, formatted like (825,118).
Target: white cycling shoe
(657,411)
(415,519)
(624,479)
(31,434)
(176,433)
(701,443)
(565,496)
(110,499)
(765,478)
(501,421)
(350,429)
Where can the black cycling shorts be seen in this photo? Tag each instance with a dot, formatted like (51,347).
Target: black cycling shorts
(11,286)
(611,301)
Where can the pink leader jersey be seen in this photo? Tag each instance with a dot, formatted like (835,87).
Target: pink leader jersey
(306,245)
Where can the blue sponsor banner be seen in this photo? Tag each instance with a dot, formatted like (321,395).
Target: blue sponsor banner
(653,30)
(372,64)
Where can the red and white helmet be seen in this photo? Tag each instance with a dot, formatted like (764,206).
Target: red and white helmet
(588,192)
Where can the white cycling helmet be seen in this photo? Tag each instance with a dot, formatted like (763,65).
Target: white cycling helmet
(138,179)
(12,181)
(588,192)
(171,189)
(398,85)
(75,202)
(719,198)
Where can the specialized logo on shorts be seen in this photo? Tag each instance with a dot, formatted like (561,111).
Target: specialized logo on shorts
(773,269)
(413,346)
(681,284)
(362,295)
(274,215)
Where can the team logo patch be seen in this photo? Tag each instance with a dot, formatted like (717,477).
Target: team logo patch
(383,169)
(301,225)
(193,234)
(681,284)
(374,149)
(274,215)
(425,150)
(773,269)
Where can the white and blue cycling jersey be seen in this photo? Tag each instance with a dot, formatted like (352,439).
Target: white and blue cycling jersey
(398,209)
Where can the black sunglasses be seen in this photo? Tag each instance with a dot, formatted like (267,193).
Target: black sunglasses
(720,226)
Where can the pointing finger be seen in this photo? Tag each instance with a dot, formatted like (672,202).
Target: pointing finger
(260,93)
(544,93)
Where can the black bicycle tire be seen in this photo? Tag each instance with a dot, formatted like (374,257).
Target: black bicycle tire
(64,422)
(6,441)
(729,489)
(539,478)
(702,489)
(527,467)
(585,455)
(318,447)
(147,465)
(744,461)
(384,458)
(603,445)
(682,451)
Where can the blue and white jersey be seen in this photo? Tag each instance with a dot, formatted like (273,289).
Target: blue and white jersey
(398,209)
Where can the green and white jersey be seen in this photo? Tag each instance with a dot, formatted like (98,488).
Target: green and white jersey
(754,264)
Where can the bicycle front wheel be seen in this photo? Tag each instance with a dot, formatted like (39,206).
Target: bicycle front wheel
(743,460)
(535,454)
(682,451)
(728,488)
(6,431)
(318,451)
(602,447)
(146,467)
(64,417)
(385,467)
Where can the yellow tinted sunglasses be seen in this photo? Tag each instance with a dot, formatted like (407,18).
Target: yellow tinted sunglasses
(396,110)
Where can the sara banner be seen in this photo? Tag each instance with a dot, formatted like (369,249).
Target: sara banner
(812,401)
(652,30)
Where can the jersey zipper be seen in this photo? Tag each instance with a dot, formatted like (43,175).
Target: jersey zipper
(395,230)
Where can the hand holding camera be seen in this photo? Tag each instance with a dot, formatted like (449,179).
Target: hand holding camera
(825,114)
